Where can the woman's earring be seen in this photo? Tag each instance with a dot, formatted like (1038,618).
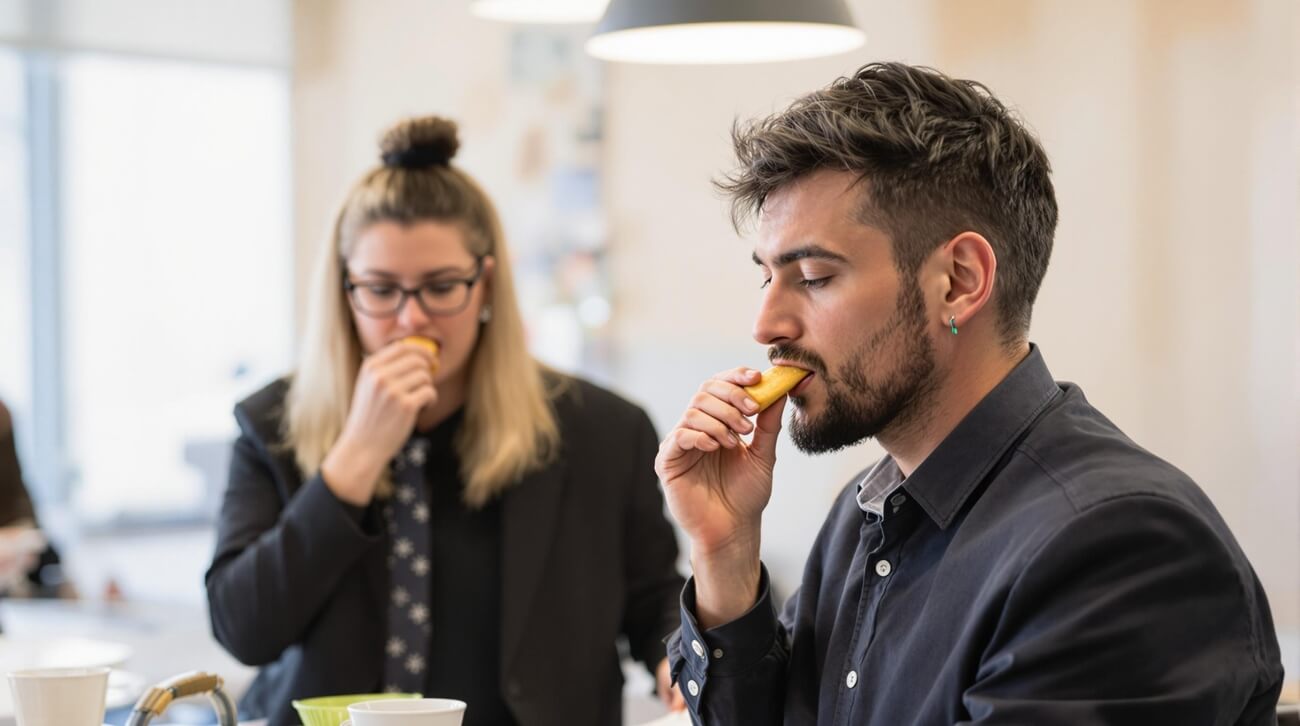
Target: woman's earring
(952,324)
(485,315)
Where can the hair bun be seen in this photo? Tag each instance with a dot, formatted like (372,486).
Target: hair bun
(419,143)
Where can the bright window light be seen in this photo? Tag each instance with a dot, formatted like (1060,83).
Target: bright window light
(178,279)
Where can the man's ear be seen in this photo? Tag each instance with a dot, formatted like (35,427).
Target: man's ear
(969,267)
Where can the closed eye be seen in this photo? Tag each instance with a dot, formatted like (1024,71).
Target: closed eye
(811,283)
(442,288)
(380,290)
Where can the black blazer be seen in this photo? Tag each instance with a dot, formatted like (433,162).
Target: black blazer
(297,587)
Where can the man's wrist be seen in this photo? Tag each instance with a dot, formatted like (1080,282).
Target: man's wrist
(727,580)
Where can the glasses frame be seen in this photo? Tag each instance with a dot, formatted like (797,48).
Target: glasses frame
(350,286)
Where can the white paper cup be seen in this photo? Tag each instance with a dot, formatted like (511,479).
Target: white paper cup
(407,712)
(59,696)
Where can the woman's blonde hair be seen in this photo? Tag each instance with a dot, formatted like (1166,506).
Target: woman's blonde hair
(509,427)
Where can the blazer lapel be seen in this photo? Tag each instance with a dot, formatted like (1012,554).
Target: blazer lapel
(530,511)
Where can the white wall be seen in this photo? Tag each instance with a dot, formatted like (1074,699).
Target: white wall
(1172,295)
(359,67)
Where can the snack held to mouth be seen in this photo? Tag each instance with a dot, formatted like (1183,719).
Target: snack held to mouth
(776,382)
(425,343)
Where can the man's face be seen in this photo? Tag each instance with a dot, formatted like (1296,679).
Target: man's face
(834,304)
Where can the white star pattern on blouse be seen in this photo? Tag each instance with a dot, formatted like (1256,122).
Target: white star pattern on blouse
(419,613)
(415,663)
(406,494)
(400,596)
(417,454)
(403,547)
(420,513)
(420,565)
(396,647)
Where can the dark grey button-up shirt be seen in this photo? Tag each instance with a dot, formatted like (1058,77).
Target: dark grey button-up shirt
(1038,568)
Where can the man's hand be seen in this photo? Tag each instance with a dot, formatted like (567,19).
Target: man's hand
(717,486)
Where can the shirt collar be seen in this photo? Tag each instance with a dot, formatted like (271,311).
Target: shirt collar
(874,486)
(943,482)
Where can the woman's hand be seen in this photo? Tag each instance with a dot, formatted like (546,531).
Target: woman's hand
(668,693)
(392,387)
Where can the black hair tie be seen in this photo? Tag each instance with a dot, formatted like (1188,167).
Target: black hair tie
(417,157)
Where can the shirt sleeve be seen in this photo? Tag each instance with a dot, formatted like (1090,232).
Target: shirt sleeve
(734,673)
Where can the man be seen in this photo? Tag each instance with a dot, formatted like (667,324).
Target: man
(1015,559)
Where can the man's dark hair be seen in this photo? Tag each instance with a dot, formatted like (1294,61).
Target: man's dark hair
(936,156)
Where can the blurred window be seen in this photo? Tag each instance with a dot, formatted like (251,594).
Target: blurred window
(15,308)
(177,273)
(161,286)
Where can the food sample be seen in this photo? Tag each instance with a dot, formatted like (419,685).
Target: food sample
(776,382)
(425,343)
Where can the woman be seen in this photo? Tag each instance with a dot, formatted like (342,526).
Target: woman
(459,523)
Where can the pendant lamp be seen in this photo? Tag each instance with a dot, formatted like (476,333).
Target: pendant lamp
(723,31)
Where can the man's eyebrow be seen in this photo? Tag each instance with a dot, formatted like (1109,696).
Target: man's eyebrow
(806,252)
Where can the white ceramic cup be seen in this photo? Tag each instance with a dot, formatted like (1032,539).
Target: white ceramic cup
(59,696)
(407,712)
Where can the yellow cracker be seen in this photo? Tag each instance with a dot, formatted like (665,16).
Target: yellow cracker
(776,382)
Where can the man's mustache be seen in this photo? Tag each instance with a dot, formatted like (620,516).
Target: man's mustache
(800,358)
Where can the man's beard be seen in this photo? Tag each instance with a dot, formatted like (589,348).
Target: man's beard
(857,409)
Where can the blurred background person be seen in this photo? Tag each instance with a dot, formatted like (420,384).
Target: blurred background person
(29,565)
(462,523)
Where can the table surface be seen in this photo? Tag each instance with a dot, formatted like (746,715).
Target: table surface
(167,639)
(162,639)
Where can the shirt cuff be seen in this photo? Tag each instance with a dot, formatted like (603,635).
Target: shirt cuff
(730,649)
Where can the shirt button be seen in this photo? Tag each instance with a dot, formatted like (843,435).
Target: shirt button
(693,688)
(717,652)
(898,500)
(852,679)
(883,568)
(699,649)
